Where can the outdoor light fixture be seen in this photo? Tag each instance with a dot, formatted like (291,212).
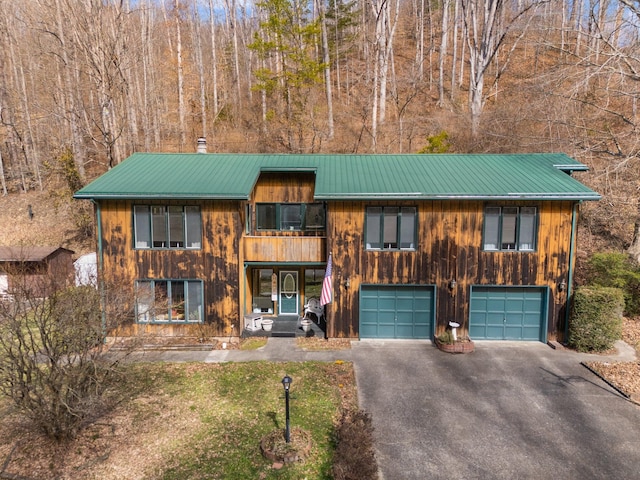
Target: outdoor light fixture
(563,286)
(286,383)
(452,284)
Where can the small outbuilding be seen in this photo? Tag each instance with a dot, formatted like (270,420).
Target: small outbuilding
(39,270)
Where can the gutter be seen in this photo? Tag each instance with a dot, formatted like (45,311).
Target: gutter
(567,313)
(100,267)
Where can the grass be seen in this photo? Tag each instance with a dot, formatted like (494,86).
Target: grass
(253,343)
(197,421)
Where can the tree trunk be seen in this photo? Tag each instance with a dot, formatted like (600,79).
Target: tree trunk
(70,114)
(214,59)
(634,248)
(181,107)
(327,66)
(444,47)
(200,65)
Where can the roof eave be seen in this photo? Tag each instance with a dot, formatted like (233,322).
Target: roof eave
(127,196)
(419,196)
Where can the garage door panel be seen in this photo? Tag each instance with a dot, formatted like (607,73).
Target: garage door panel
(396,312)
(494,332)
(386,331)
(495,304)
(368,303)
(507,313)
(531,320)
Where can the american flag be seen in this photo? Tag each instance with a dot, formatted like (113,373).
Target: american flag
(327,291)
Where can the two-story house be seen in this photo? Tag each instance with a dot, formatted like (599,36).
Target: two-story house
(417,241)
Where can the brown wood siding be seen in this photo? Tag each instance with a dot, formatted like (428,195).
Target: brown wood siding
(284,249)
(284,187)
(449,247)
(217,264)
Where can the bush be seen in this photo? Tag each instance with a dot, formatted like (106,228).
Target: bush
(596,319)
(617,270)
(52,364)
(354,457)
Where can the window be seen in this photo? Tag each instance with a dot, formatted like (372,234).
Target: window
(170,301)
(313,278)
(263,290)
(510,228)
(159,226)
(390,228)
(290,216)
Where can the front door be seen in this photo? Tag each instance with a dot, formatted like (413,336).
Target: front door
(288,293)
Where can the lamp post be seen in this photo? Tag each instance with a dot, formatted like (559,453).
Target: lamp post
(286,383)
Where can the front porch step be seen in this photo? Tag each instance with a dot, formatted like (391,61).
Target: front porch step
(287,327)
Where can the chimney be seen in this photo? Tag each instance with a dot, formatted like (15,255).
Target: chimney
(202,145)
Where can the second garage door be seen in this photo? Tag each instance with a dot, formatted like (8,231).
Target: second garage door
(391,311)
(507,313)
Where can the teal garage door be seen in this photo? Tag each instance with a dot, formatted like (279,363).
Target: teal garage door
(391,311)
(507,313)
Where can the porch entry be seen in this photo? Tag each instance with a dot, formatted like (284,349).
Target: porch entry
(275,290)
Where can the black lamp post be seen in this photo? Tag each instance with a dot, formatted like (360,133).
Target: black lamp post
(286,383)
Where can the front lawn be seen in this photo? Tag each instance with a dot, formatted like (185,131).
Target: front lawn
(193,421)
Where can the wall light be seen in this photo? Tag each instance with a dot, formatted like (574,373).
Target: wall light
(562,286)
(452,284)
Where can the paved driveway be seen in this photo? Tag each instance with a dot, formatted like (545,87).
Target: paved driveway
(506,411)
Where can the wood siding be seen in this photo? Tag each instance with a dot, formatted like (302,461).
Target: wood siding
(449,247)
(217,264)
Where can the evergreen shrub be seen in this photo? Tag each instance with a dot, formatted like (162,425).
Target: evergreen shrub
(596,319)
(617,270)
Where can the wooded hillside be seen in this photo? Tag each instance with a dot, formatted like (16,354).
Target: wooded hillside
(84,83)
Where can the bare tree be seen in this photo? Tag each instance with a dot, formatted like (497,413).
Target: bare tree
(53,364)
(327,66)
(385,28)
(444,47)
(180,70)
(486,28)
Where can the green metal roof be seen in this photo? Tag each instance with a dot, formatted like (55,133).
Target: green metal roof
(338,176)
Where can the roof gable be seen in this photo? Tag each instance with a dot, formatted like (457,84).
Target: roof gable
(338,176)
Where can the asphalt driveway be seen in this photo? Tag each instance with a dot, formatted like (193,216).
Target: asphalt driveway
(506,411)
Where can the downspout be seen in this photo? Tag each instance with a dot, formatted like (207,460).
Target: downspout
(100,270)
(567,313)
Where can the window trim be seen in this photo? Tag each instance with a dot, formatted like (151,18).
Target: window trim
(153,319)
(145,222)
(399,228)
(518,228)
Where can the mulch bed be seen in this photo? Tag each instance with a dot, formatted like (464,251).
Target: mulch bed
(623,376)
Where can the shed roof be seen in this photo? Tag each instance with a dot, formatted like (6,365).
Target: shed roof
(28,254)
(339,176)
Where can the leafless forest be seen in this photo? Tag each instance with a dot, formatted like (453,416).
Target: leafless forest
(84,83)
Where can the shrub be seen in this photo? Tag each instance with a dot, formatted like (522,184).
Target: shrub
(617,270)
(596,319)
(354,457)
(52,364)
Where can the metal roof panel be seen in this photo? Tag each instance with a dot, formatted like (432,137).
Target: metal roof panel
(340,176)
